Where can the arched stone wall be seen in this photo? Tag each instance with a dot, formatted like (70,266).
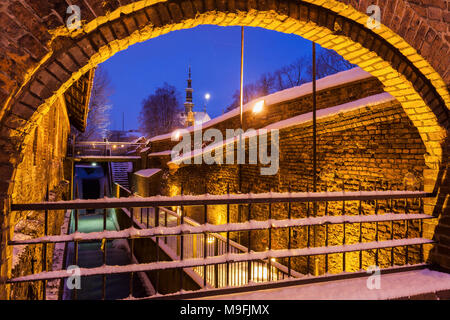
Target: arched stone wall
(41,58)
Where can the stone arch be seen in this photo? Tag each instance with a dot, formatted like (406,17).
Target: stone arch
(408,61)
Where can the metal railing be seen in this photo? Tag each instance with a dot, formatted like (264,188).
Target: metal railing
(103,148)
(217,276)
(228,255)
(194,246)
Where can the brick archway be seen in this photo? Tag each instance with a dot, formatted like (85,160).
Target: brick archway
(406,53)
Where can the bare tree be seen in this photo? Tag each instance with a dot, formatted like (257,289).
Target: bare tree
(264,86)
(292,75)
(328,63)
(160,112)
(99,118)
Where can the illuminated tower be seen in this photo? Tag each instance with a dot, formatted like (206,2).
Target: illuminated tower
(189,105)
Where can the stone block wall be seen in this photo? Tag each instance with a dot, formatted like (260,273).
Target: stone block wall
(326,98)
(370,147)
(42,167)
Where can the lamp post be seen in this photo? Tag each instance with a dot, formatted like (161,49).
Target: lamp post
(241,93)
(241,104)
(207,97)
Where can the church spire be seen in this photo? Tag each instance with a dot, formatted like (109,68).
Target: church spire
(189,105)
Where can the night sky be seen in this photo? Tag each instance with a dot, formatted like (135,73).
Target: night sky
(214,54)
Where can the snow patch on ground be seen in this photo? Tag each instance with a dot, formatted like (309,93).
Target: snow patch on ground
(19,249)
(392,286)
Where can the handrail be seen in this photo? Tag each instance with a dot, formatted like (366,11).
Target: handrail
(166,201)
(241,257)
(233,244)
(229,227)
(230,257)
(108,142)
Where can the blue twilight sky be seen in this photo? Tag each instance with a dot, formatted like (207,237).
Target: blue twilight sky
(214,54)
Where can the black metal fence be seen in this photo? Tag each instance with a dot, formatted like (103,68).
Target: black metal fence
(222,252)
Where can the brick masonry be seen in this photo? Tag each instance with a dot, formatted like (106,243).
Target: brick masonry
(40,59)
(376,146)
(42,166)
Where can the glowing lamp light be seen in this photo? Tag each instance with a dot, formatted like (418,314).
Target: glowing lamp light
(114,146)
(207,96)
(122,146)
(94,164)
(257,108)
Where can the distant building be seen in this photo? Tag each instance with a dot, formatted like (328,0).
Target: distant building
(189,117)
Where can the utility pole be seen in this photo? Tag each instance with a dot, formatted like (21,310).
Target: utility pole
(241,103)
(316,259)
(314,117)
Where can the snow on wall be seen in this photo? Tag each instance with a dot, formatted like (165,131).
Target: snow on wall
(334,80)
(300,119)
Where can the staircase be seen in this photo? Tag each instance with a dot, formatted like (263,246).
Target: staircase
(120,171)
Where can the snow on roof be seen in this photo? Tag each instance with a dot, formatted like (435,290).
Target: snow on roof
(201,117)
(300,119)
(146,173)
(139,140)
(145,150)
(334,80)
(161,153)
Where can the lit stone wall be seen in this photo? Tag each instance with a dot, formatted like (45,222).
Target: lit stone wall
(377,147)
(42,166)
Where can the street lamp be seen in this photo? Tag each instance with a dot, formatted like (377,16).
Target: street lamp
(207,97)
(258,106)
(176,135)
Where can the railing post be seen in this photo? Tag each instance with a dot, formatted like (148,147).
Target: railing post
(205,241)
(392,228)
(44,248)
(269,274)
(165,225)
(181,241)
(344,227)
(421,210)
(407,228)
(131,273)
(377,228)
(249,263)
(216,266)
(131,217)
(104,246)
(326,231)
(290,232)
(228,240)
(308,229)
(156,210)
(360,228)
